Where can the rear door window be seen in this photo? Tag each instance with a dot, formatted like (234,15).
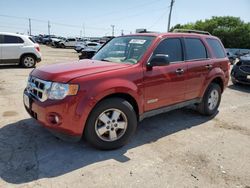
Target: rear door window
(171,47)
(195,49)
(8,39)
(216,47)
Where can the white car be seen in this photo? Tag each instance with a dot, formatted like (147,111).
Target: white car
(69,42)
(19,49)
(83,45)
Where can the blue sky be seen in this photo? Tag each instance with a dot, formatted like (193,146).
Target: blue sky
(95,17)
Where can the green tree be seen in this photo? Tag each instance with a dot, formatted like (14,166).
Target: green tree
(233,32)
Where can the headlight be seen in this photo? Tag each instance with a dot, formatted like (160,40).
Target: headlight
(59,91)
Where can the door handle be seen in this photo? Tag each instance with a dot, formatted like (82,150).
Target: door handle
(209,66)
(179,71)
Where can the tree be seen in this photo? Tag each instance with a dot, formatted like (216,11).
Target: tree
(233,32)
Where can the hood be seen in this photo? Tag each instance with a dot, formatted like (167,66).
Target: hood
(65,72)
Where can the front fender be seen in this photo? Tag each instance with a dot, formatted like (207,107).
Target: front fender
(92,95)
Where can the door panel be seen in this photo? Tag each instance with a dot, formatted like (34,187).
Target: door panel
(198,66)
(163,86)
(11,51)
(196,75)
(166,85)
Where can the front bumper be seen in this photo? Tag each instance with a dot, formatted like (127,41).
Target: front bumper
(240,77)
(68,127)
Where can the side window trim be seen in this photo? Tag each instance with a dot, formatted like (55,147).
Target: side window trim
(185,50)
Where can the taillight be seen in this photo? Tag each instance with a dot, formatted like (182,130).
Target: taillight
(38,49)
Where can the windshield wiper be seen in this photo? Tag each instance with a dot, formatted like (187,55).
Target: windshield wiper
(105,60)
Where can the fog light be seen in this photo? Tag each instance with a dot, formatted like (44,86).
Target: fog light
(54,119)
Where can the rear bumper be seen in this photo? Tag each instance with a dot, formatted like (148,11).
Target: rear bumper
(39,59)
(68,127)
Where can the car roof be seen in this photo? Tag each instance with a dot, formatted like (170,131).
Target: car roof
(13,34)
(172,34)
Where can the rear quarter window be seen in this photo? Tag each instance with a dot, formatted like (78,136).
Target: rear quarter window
(32,40)
(217,48)
(195,49)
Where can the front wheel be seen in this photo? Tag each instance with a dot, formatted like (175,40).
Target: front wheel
(111,124)
(211,100)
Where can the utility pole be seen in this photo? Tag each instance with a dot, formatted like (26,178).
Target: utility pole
(83,28)
(113,30)
(49,26)
(29,26)
(170,14)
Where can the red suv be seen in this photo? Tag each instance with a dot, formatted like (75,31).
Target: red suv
(130,78)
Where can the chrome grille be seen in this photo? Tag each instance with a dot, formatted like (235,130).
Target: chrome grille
(38,88)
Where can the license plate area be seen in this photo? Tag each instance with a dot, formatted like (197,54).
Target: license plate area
(26,100)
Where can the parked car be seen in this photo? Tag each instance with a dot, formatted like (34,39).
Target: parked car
(104,98)
(231,57)
(82,45)
(241,71)
(242,52)
(55,42)
(69,42)
(89,51)
(46,39)
(19,49)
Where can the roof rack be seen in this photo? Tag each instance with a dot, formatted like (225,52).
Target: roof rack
(191,31)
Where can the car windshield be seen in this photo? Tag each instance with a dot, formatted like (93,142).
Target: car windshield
(127,49)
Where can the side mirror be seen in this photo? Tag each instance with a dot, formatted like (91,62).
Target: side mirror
(158,60)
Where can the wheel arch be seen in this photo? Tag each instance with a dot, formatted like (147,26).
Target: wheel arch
(25,54)
(126,97)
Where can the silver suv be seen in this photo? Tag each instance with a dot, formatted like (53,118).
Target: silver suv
(19,49)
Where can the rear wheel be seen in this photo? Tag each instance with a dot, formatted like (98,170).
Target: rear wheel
(28,61)
(211,100)
(111,124)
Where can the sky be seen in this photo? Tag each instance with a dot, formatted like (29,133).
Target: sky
(95,17)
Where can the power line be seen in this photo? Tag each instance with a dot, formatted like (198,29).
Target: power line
(158,19)
(138,6)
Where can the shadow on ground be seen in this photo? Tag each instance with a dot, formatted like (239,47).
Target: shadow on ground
(29,152)
(240,87)
(11,66)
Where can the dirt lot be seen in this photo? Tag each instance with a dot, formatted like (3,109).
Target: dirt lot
(176,149)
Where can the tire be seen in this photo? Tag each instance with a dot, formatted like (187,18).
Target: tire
(211,100)
(117,126)
(62,46)
(28,61)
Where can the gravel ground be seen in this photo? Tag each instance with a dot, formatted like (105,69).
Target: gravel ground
(177,149)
